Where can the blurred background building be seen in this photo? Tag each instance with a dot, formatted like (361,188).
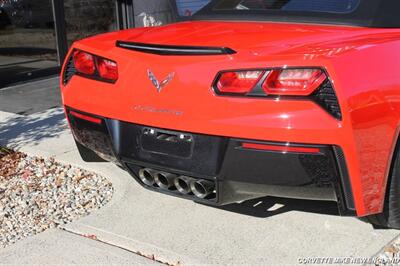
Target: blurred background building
(35,34)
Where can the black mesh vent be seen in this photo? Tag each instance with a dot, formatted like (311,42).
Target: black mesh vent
(319,168)
(327,99)
(69,71)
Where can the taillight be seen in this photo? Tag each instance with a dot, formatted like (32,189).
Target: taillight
(84,62)
(107,69)
(283,81)
(238,82)
(95,67)
(308,83)
(301,82)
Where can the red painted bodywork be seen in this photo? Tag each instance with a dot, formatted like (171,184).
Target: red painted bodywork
(363,64)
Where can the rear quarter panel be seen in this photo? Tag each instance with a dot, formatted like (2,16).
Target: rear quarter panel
(365,71)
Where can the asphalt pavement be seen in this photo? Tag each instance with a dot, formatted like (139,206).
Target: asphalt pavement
(31,97)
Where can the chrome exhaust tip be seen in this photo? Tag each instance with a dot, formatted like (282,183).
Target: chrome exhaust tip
(182,184)
(147,176)
(164,180)
(202,188)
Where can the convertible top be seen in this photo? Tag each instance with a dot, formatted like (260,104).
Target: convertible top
(367,13)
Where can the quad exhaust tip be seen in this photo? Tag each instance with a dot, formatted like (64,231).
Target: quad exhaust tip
(164,180)
(185,185)
(182,184)
(147,176)
(202,188)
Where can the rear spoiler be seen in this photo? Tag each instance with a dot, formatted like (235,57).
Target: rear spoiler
(174,49)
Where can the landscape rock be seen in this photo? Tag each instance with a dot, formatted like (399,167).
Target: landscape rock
(37,194)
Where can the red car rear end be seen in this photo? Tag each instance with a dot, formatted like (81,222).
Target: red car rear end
(222,111)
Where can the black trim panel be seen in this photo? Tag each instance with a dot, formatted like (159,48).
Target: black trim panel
(92,136)
(239,173)
(160,49)
(203,155)
(347,192)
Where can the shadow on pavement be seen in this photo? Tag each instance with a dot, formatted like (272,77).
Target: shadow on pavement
(18,131)
(270,206)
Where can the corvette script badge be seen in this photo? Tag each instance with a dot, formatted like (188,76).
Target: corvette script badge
(159,85)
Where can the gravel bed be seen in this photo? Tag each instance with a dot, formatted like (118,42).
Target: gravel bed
(37,194)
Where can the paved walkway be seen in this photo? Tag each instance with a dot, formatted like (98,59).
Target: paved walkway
(57,247)
(269,231)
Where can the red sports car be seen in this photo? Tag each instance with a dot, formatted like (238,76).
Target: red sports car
(250,98)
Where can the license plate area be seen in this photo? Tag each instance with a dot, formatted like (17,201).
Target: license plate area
(171,143)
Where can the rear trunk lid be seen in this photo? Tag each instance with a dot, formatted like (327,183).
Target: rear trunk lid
(241,36)
(175,91)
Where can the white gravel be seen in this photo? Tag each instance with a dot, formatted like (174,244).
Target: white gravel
(390,254)
(38,194)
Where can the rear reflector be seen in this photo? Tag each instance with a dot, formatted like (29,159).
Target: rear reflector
(86,117)
(283,149)
(238,82)
(296,82)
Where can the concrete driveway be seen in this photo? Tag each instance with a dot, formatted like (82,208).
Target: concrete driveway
(172,230)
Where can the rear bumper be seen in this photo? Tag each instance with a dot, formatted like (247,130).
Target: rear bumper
(240,171)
